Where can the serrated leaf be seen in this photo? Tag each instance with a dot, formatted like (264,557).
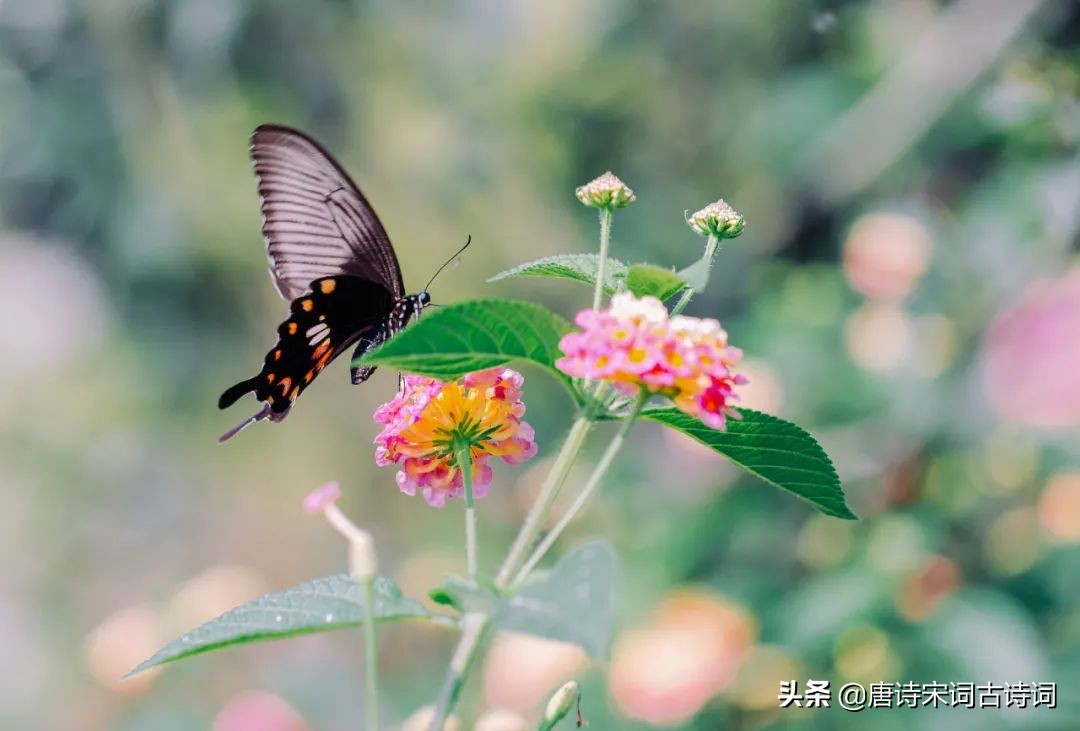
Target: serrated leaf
(646,280)
(324,604)
(575,267)
(574,602)
(775,450)
(470,336)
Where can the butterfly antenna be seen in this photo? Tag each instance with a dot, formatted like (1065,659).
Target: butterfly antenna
(448,262)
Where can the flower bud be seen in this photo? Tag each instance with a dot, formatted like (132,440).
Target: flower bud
(717,219)
(362,564)
(607,191)
(321,498)
(560,704)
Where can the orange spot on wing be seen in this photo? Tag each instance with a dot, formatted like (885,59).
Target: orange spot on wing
(307,305)
(292,328)
(269,377)
(322,348)
(277,354)
(285,384)
(308,376)
(294,394)
(327,286)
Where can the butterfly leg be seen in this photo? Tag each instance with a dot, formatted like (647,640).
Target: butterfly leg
(362,373)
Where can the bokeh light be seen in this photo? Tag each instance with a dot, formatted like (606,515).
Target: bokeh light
(259,711)
(523,670)
(665,672)
(1032,355)
(885,255)
(1059,508)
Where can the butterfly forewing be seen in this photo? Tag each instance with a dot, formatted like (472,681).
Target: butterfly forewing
(316,222)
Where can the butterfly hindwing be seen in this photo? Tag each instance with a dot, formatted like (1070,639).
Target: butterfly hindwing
(322,323)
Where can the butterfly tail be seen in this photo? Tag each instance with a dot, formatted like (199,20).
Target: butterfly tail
(261,414)
(232,393)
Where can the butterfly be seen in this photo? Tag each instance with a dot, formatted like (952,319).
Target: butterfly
(331,257)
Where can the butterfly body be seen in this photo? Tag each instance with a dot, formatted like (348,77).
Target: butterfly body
(331,257)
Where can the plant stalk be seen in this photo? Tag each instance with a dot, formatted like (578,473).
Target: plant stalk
(463,455)
(371,659)
(549,491)
(688,293)
(590,487)
(475,627)
(601,266)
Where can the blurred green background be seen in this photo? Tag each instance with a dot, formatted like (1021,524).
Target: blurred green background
(907,288)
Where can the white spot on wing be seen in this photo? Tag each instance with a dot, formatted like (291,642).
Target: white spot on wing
(317,333)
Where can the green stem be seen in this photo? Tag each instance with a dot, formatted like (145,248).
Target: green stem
(583,497)
(710,251)
(371,660)
(463,456)
(683,301)
(605,240)
(549,491)
(475,628)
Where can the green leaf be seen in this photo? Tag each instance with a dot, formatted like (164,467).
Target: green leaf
(329,603)
(697,274)
(469,336)
(574,602)
(648,279)
(465,596)
(775,450)
(575,267)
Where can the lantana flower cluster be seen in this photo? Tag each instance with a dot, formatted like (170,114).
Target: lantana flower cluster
(428,419)
(635,344)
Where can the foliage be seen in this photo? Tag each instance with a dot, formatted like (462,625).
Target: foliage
(320,605)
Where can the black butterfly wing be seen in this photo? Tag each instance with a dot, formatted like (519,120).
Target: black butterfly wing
(316,222)
(322,323)
(396,319)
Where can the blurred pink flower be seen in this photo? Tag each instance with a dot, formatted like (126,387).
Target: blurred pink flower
(926,588)
(1059,508)
(259,711)
(635,344)
(122,641)
(1031,355)
(886,254)
(665,672)
(321,498)
(521,670)
(427,417)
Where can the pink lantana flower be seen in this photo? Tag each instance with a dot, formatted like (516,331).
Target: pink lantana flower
(634,344)
(424,422)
